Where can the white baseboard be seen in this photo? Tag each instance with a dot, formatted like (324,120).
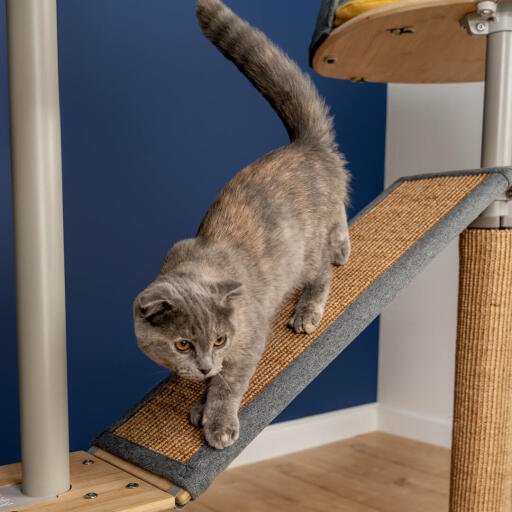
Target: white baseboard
(429,429)
(296,435)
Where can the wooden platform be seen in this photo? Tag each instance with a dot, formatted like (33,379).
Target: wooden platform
(438,50)
(107,481)
(369,473)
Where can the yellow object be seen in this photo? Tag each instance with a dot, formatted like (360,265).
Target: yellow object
(352,9)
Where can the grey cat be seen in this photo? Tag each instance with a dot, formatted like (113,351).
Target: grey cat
(276,228)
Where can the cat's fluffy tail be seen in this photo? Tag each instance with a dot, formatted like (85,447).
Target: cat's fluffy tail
(291,92)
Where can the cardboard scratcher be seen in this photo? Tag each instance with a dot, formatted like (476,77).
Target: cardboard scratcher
(392,240)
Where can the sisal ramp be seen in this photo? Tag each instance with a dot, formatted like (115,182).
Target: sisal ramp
(392,240)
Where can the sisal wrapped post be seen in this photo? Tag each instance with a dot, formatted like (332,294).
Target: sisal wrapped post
(482,426)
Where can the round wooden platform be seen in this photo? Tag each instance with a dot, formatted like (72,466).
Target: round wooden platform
(411,41)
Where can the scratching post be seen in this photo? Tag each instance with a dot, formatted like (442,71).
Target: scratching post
(481,474)
(481,479)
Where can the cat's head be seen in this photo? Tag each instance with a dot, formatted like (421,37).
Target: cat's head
(187,323)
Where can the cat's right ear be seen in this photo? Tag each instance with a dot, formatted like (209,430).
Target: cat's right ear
(150,305)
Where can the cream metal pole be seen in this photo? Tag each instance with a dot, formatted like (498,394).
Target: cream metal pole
(494,21)
(497,128)
(39,250)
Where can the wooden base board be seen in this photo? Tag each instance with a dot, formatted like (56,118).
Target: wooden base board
(107,481)
(182,498)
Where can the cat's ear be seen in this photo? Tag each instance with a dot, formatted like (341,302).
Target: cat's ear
(229,289)
(150,304)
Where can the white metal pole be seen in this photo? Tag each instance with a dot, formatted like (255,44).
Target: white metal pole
(39,250)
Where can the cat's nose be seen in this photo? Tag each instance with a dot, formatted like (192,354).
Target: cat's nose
(205,371)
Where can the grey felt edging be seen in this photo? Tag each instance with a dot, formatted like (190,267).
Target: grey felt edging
(196,475)
(324,25)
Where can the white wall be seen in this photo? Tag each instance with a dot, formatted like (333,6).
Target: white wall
(430,128)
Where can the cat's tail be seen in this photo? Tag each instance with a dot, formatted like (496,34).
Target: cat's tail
(291,92)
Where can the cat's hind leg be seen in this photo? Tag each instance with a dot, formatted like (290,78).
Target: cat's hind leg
(339,240)
(310,308)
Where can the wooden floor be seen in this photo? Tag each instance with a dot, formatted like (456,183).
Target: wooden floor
(373,472)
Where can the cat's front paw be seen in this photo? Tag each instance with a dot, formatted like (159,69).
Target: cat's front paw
(222,431)
(305,319)
(341,253)
(196,414)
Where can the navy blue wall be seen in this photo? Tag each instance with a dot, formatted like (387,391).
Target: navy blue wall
(154,123)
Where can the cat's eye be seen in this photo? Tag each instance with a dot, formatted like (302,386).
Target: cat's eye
(182,345)
(220,341)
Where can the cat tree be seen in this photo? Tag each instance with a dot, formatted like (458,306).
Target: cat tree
(152,457)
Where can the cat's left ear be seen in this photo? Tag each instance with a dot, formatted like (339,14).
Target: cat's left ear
(229,289)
